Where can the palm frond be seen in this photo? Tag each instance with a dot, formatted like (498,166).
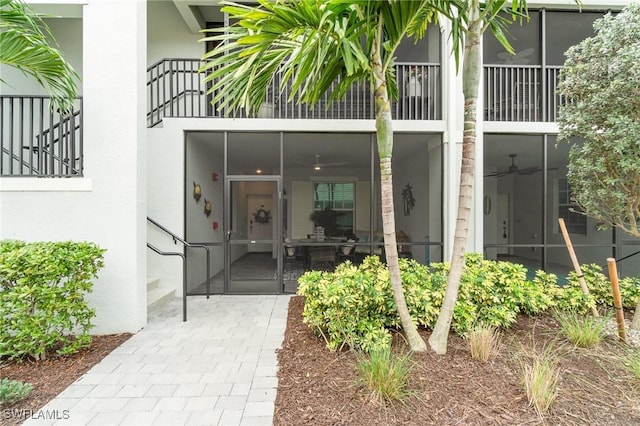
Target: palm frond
(25,45)
(309,44)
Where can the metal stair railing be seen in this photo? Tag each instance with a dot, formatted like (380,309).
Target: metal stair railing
(37,140)
(185,243)
(184,275)
(66,129)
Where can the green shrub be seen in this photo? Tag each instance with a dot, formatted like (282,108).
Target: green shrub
(351,306)
(13,391)
(630,291)
(42,288)
(354,305)
(493,293)
(600,294)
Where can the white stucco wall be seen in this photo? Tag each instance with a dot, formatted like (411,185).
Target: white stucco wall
(108,205)
(413,168)
(168,35)
(165,200)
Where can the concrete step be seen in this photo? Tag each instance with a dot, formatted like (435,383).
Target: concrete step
(157,295)
(152,283)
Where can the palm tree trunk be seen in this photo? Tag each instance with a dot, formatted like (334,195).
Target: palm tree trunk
(384,133)
(471,78)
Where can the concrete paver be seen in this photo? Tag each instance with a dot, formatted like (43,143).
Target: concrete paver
(218,368)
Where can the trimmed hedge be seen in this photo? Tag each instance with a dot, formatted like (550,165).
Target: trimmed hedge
(353,306)
(42,289)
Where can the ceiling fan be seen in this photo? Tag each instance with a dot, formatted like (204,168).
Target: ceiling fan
(517,58)
(318,165)
(513,168)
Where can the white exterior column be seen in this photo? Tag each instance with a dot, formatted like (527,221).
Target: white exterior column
(114,52)
(476,227)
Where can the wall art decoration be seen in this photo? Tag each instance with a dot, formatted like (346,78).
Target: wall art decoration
(408,202)
(207,207)
(197,191)
(262,216)
(486,205)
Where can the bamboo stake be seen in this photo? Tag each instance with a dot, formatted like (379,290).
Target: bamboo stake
(574,260)
(617,300)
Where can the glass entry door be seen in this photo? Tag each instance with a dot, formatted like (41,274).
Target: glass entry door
(253,223)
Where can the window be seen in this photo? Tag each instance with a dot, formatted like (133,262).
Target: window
(333,207)
(576,222)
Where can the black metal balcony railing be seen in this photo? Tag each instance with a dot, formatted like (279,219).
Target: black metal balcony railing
(37,140)
(553,99)
(521,93)
(175,89)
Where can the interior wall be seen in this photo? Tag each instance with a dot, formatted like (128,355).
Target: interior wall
(411,167)
(363,205)
(490,215)
(204,157)
(435,199)
(527,214)
(301,202)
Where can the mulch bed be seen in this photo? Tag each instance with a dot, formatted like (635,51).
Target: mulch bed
(319,387)
(51,376)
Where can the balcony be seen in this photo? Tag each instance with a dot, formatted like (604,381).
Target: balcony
(175,89)
(524,93)
(37,140)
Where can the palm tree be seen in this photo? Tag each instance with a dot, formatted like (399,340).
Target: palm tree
(468,24)
(313,44)
(25,45)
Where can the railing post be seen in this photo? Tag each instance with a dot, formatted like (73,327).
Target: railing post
(208,271)
(184,288)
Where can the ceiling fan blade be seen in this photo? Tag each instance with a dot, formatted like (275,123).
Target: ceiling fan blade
(336,164)
(529,170)
(496,174)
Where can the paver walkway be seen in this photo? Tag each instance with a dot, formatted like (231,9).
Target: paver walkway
(218,368)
